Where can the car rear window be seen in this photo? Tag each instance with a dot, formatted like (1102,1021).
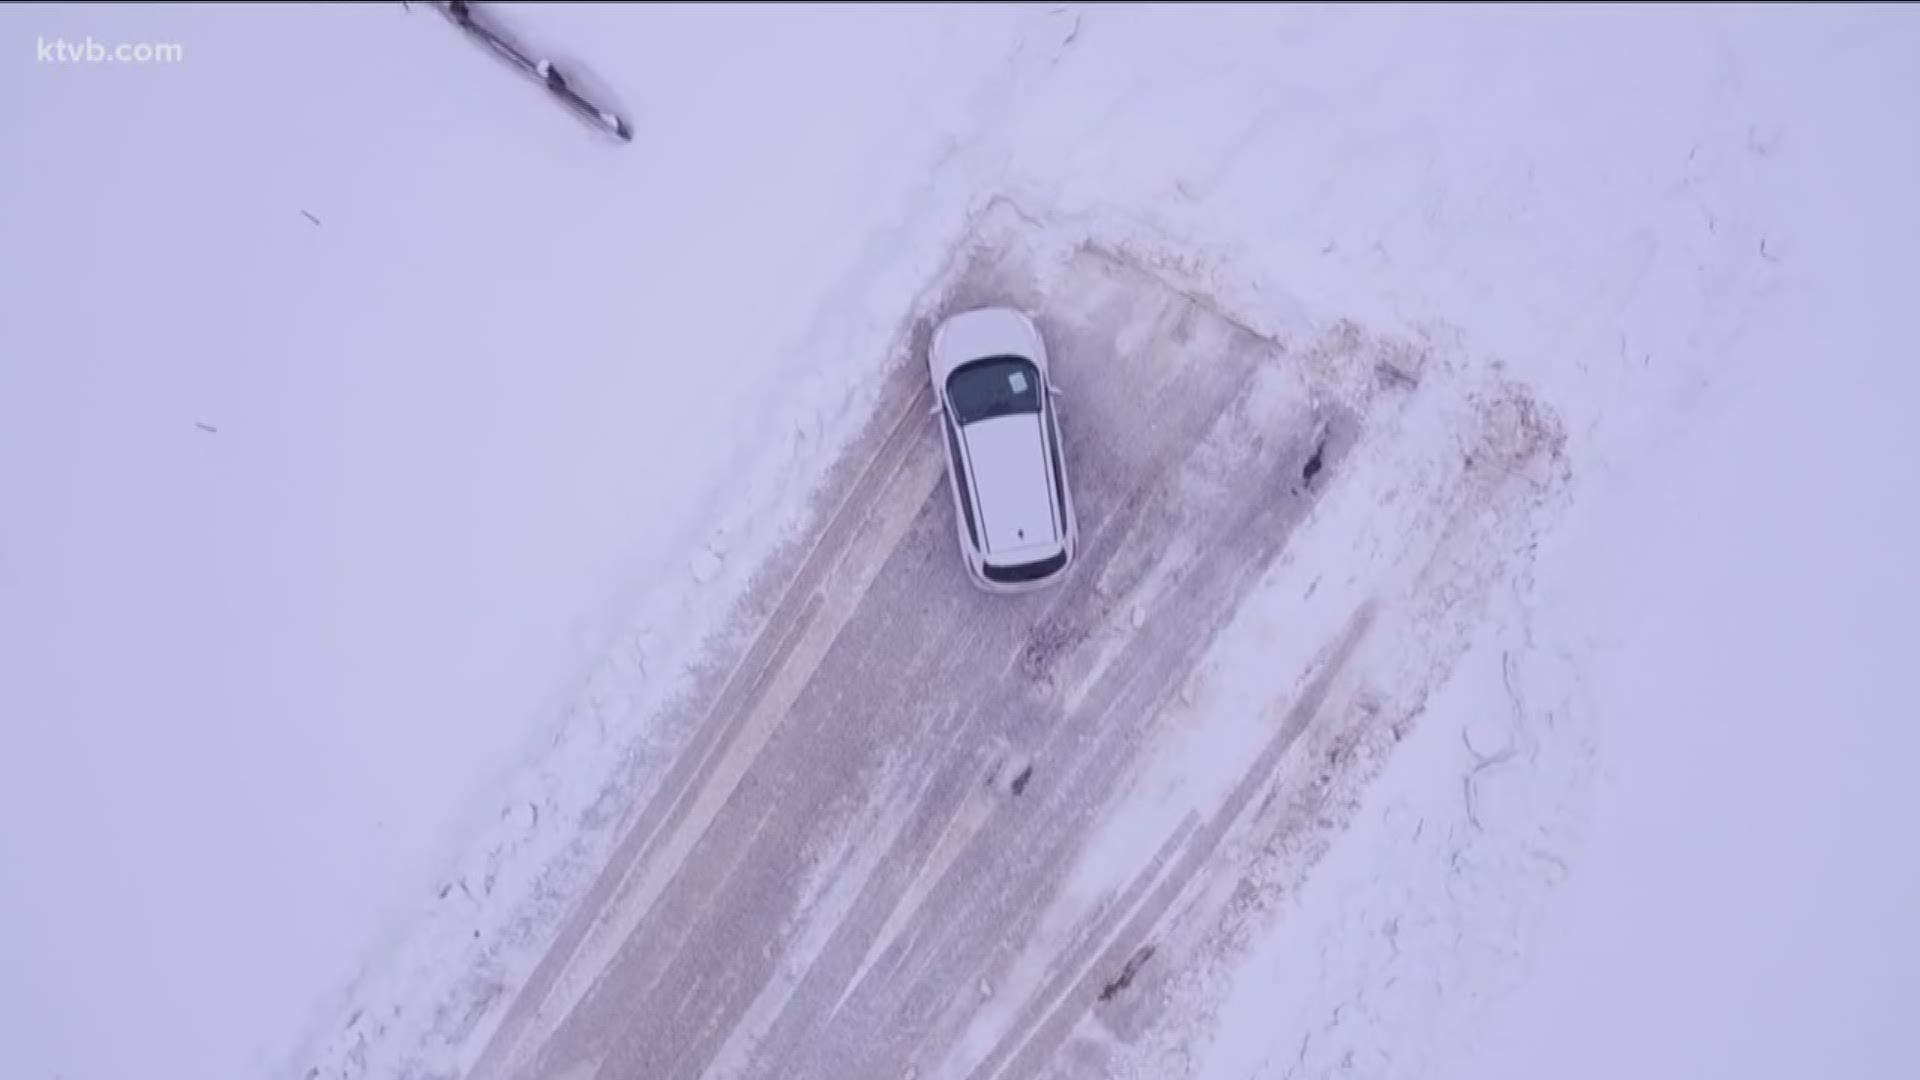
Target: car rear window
(984,389)
(1032,571)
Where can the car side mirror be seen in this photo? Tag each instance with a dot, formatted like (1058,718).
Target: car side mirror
(1054,390)
(934,409)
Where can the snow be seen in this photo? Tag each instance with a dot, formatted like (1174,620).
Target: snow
(1744,902)
(1653,822)
(371,475)
(263,686)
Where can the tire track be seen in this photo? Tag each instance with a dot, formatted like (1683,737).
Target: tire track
(1111,530)
(1120,708)
(882,695)
(798,610)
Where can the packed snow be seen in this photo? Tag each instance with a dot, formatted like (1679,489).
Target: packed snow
(383,450)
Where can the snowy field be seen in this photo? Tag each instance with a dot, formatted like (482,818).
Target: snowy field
(476,599)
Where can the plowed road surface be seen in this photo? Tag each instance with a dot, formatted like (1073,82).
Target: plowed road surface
(889,789)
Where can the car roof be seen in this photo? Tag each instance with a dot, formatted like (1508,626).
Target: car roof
(1013,485)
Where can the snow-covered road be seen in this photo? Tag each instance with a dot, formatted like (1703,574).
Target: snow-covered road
(477,599)
(873,848)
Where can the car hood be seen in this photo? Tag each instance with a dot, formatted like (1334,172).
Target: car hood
(976,335)
(1013,485)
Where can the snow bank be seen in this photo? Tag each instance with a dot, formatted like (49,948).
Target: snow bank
(364,419)
(1677,230)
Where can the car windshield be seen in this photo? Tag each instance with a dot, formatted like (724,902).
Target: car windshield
(1001,386)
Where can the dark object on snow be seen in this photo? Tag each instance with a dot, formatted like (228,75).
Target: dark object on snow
(1020,782)
(1125,978)
(463,16)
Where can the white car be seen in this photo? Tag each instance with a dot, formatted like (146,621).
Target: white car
(1012,507)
